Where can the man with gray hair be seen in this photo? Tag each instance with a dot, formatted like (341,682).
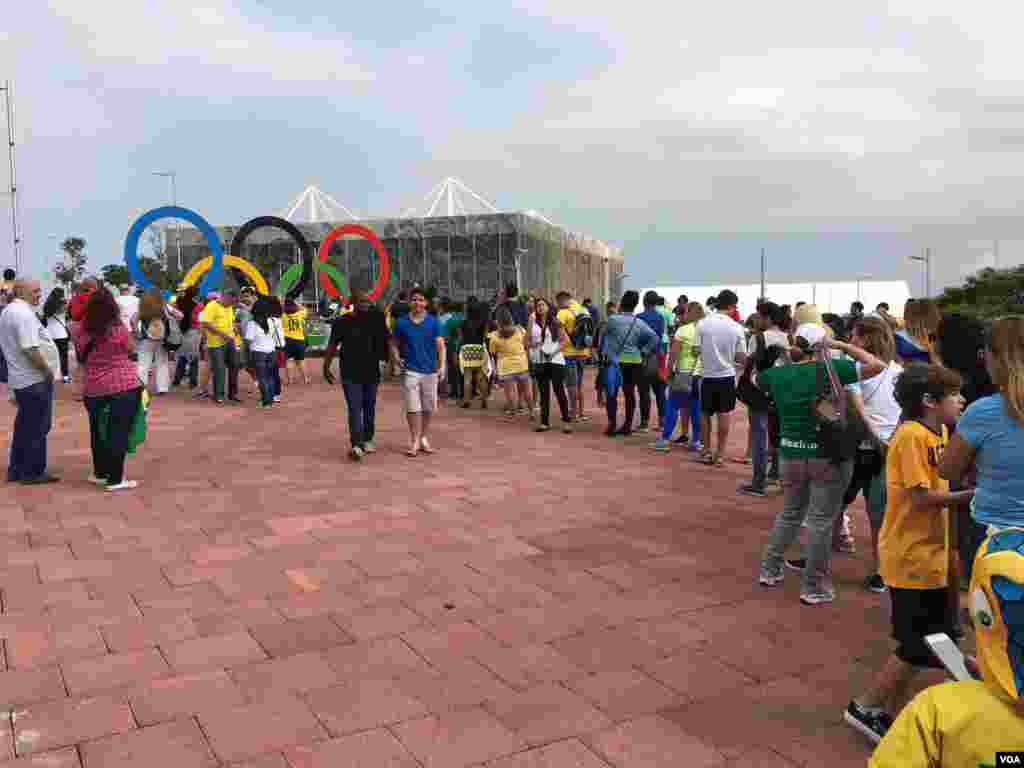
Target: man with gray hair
(30,378)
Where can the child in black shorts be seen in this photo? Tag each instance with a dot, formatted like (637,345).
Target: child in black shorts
(913,543)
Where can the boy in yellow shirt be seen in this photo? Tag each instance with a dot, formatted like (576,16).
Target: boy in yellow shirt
(568,311)
(912,545)
(967,723)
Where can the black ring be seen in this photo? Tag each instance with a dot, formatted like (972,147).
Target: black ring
(283,224)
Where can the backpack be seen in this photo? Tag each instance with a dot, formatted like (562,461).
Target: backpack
(173,337)
(583,334)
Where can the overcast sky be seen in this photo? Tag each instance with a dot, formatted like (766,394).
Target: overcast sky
(843,137)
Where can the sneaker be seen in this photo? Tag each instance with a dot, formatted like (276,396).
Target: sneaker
(201,394)
(277,398)
(681,440)
(97,480)
(766,579)
(67,379)
(662,445)
(697,447)
(369,447)
(796,564)
(356,454)
(567,428)
(124,485)
(753,490)
(643,427)
(873,723)
(542,428)
(818,597)
(875,584)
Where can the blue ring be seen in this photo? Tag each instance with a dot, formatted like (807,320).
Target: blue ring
(213,278)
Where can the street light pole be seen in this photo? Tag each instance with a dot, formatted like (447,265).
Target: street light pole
(6,88)
(172,176)
(927,260)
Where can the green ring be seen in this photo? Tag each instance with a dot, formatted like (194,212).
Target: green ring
(295,271)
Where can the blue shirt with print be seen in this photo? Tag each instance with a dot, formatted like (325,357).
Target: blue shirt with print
(998,442)
(417,343)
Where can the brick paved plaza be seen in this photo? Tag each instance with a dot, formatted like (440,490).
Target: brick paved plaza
(516,600)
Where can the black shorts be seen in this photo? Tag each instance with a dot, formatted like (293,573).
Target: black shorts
(295,349)
(718,395)
(915,614)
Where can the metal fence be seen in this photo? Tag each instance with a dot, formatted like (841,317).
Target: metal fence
(457,256)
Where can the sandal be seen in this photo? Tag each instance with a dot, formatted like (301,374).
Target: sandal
(412,453)
(426,447)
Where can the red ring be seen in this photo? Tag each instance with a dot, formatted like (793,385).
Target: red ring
(382,254)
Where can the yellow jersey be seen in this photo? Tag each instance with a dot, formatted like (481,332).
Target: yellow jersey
(295,325)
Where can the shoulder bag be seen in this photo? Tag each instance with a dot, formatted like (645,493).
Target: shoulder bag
(747,391)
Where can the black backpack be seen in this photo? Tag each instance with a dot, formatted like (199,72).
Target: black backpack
(583,334)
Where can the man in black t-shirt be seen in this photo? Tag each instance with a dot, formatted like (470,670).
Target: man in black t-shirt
(362,338)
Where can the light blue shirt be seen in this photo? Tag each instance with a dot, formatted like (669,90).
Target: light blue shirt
(998,441)
(627,337)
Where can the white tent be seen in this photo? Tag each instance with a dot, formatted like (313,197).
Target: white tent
(450,197)
(829,297)
(312,206)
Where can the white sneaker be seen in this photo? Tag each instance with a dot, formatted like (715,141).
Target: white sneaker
(356,454)
(124,485)
(277,398)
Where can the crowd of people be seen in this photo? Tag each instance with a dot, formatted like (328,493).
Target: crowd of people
(924,417)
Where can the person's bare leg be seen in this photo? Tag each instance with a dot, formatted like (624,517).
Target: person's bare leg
(526,396)
(302,370)
(425,431)
(510,397)
(890,686)
(724,424)
(415,430)
(709,440)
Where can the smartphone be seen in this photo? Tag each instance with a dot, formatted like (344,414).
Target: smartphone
(952,658)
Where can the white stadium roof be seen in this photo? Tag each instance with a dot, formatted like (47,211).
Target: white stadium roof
(829,297)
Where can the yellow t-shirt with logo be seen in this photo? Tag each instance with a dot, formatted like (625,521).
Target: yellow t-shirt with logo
(567,319)
(510,352)
(295,325)
(223,319)
(912,545)
(952,725)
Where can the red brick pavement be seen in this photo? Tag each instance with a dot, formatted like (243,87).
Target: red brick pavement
(515,600)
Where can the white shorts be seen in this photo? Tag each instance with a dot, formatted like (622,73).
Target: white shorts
(419,392)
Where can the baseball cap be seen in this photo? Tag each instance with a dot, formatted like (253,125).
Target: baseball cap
(812,333)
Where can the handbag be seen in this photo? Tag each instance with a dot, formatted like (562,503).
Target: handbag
(747,391)
(838,435)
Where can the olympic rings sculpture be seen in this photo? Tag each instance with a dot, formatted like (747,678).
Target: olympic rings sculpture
(292,284)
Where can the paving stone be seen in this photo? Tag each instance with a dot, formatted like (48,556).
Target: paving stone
(379,659)
(185,695)
(266,726)
(178,744)
(364,704)
(570,753)
(382,619)
(292,674)
(61,723)
(547,712)
(457,739)
(626,694)
(317,633)
(652,742)
(24,687)
(37,647)
(219,651)
(369,749)
(114,671)
(59,758)
(136,634)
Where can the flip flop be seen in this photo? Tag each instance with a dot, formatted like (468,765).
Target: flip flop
(412,453)
(426,447)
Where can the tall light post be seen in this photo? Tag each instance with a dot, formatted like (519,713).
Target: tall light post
(172,177)
(860,279)
(764,269)
(8,98)
(927,261)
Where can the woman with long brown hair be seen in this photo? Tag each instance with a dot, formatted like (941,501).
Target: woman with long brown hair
(915,341)
(545,339)
(990,434)
(152,326)
(110,383)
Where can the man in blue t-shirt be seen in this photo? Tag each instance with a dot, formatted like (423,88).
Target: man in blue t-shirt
(418,345)
(656,323)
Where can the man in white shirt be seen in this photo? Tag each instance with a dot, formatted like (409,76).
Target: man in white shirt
(720,342)
(30,378)
(129,304)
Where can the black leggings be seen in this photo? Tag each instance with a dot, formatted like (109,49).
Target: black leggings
(632,374)
(62,351)
(548,375)
(108,457)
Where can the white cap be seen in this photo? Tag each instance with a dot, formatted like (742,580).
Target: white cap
(812,333)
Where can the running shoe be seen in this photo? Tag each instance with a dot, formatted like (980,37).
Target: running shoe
(875,584)
(818,596)
(753,490)
(872,722)
(766,579)
(796,564)
(356,454)
(662,445)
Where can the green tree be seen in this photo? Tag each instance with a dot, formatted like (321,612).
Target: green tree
(989,293)
(72,267)
(115,274)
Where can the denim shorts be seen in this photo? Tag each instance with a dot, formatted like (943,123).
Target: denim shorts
(573,371)
(514,377)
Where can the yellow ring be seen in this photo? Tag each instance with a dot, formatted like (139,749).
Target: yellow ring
(200,267)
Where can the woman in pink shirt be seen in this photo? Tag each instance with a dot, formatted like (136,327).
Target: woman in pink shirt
(111,379)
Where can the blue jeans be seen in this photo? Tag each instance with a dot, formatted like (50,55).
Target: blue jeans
(186,365)
(275,376)
(31,426)
(362,411)
(759,446)
(265,363)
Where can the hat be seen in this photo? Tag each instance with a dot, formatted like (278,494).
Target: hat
(213,295)
(997,610)
(812,333)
